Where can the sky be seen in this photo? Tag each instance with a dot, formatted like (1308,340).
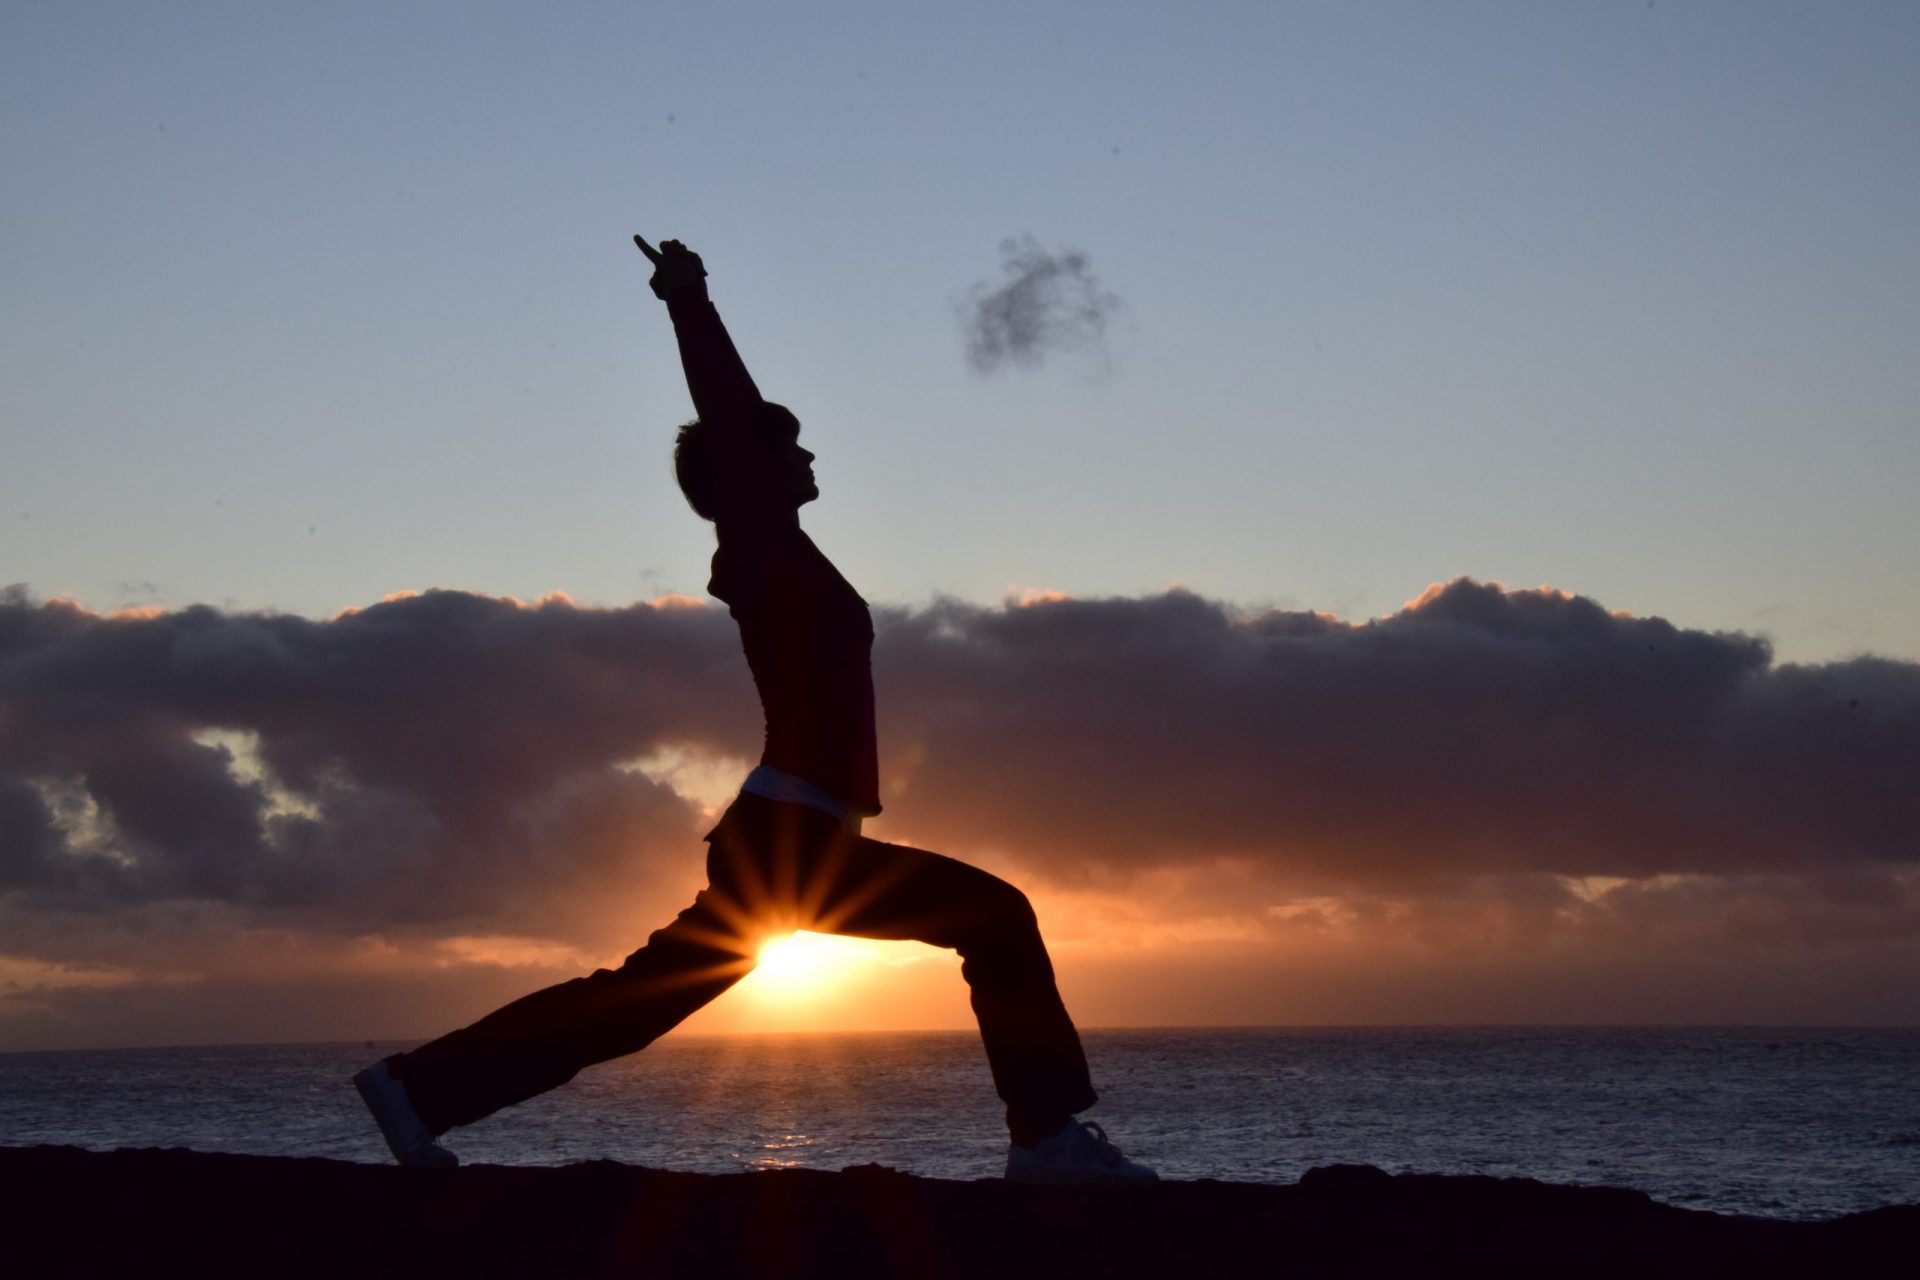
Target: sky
(1375,512)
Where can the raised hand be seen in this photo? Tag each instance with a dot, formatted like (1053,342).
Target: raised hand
(674,266)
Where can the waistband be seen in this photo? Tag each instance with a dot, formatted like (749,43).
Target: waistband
(770,783)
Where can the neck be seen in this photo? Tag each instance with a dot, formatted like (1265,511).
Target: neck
(778,518)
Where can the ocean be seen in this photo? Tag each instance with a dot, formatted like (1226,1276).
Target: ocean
(1774,1122)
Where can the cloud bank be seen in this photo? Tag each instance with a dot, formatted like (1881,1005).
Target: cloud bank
(1046,302)
(1477,730)
(458,772)
(434,756)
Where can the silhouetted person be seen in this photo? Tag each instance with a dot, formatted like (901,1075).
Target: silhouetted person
(788,853)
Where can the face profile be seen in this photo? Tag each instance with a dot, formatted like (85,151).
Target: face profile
(762,468)
(781,431)
(800,467)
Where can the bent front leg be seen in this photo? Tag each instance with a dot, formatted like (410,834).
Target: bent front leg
(880,890)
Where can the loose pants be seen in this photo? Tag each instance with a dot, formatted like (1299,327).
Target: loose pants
(773,867)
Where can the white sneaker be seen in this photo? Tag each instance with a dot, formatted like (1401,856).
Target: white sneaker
(406,1133)
(1078,1153)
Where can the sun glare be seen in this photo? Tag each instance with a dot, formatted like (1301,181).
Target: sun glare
(806,964)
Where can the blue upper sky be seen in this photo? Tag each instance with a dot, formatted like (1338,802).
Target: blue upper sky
(305,304)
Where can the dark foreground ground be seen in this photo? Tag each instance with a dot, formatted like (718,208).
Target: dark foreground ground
(165,1213)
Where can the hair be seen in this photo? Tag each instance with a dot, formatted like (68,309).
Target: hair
(693,453)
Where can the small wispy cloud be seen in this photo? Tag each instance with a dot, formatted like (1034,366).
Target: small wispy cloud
(1046,302)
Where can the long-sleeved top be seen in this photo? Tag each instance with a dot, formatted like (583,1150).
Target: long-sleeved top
(807,633)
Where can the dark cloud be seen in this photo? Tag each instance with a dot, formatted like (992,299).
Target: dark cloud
(1511,793)
(1476,730)
(433,757)
(450,757)
(1046,302)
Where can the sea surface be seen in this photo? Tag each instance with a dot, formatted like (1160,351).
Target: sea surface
(1799,1123)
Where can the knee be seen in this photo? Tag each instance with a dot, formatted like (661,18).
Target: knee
(1017,908)
(1006,911)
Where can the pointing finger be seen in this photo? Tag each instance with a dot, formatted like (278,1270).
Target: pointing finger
(653,255)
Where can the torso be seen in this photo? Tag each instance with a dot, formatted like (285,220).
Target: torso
(809,642)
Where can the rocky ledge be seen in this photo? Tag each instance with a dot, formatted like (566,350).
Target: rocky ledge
(177,1212)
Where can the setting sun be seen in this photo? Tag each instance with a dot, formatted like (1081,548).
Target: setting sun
(806,964)
(834,982)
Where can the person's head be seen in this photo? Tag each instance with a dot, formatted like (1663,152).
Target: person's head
(782,470)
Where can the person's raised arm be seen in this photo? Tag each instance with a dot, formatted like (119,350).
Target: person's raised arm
(723,393)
